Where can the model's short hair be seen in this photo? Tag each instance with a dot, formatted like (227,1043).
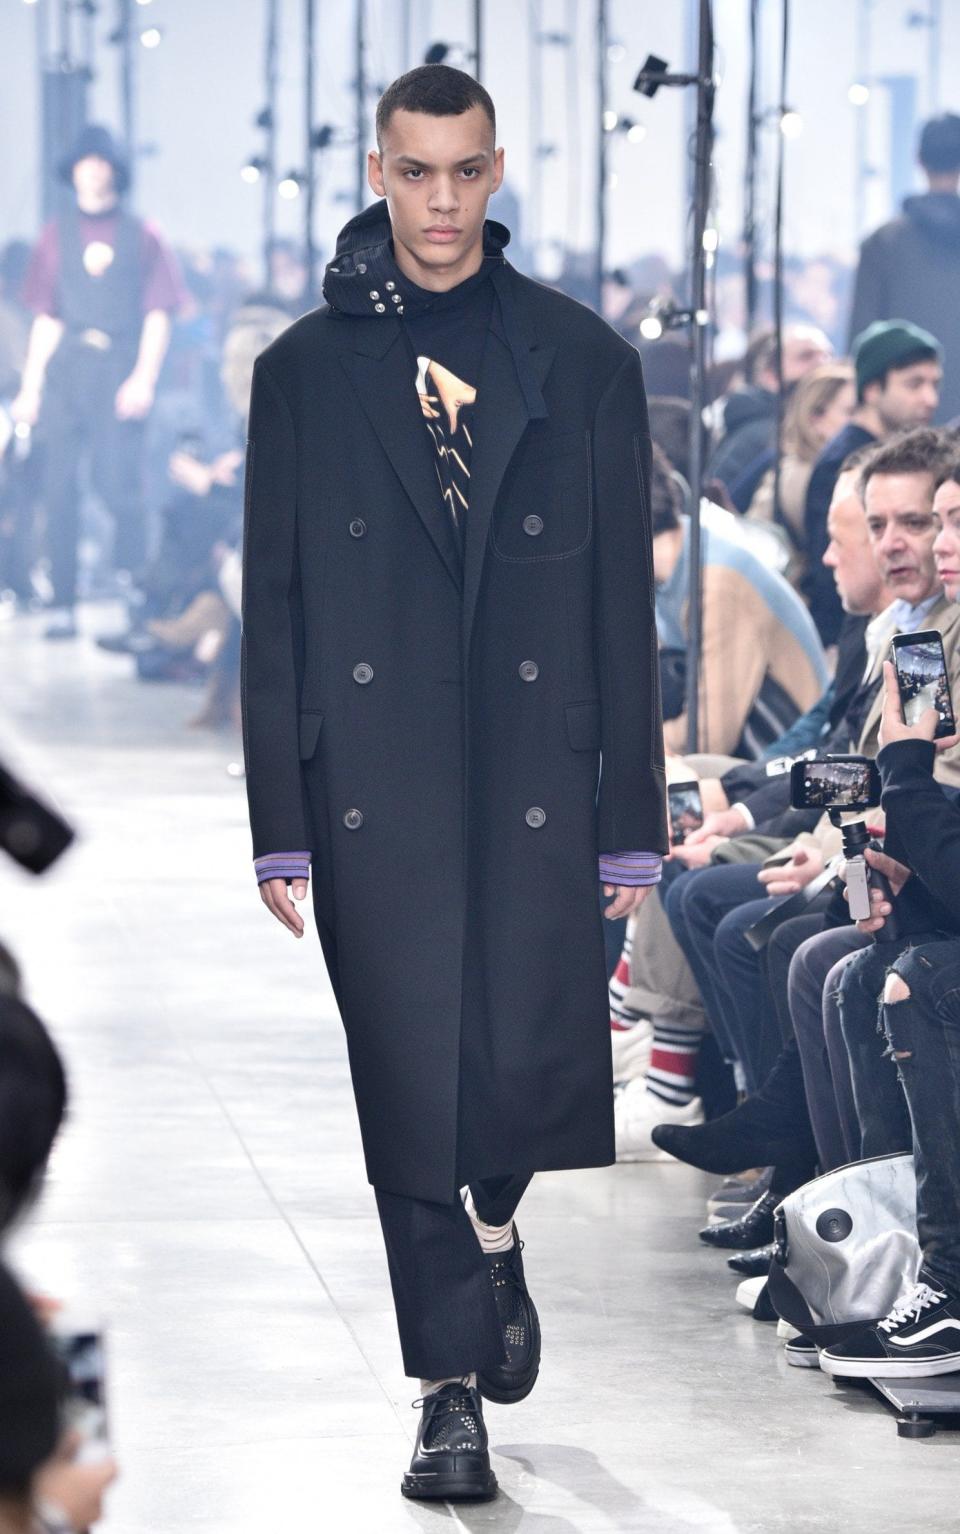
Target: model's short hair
(939,149)
(436,89)
(923,450)
(666,501)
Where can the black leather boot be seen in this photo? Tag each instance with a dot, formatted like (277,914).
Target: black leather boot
(451,1462)
(755,1228)
(513,1380)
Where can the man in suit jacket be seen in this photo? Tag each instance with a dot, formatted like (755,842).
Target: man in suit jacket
(447,618)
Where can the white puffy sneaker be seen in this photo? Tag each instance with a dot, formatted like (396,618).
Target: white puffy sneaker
(636,1111)
(631,1050)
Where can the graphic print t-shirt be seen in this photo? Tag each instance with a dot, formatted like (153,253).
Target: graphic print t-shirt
(447,332)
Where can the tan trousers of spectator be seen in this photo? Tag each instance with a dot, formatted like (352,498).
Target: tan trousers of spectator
(661,981)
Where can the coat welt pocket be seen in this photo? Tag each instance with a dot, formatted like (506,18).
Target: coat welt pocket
(583,725)
(310,722)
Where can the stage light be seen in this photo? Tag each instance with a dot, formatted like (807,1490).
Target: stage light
(29,2)
(151,37)
(858,95)
(636,133)
(649,79)
(251,170)
(613,180)
(143,2)
(711,239)
(791,124)
(616,53)
(289,187)
(610,120)
(651,327)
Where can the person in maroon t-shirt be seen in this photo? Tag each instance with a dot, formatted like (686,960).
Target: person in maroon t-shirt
(103,287)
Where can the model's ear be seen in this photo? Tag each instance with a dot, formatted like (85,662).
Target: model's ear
(375,173)
(497,170)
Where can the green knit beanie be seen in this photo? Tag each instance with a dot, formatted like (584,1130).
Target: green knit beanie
(889,344)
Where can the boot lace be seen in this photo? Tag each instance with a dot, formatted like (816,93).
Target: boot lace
(912,1305)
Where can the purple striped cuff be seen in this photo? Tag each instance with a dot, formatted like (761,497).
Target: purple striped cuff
(282,865)
(636,868)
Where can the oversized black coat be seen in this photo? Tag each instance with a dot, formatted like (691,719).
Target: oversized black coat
(434,734)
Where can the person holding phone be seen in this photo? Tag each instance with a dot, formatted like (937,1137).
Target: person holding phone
(907,1083)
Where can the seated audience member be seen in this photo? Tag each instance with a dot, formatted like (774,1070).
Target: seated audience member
(749,429)
(710,909)
(762,661)
(898,371)
(65,1491)
(906,1080)
(820,406)
(31,1384)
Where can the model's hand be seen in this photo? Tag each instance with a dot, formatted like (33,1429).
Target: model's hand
(892,726)
(630,898)
(134,398)
(273,893)
(788,878)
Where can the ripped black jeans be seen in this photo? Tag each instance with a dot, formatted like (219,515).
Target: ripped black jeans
(905,1063)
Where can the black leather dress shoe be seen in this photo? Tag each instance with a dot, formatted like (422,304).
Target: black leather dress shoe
(755,1228)
(451,1462)
(752,1264)
(511,1381)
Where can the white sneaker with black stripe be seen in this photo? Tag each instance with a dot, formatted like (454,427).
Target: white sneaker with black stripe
(635,1113)
(920,1336)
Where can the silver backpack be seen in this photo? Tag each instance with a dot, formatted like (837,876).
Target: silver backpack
(845,1247)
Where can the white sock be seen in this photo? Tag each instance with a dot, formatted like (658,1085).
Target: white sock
(492,1238)
(427,1387)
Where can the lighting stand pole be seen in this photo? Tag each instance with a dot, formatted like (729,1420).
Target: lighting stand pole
(601,155)
(125,31)
(648,81)
(309,151)
(361,102)
(268,121)
(478,37)
(750,188)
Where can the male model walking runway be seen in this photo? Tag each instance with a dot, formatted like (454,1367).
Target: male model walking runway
(447,618)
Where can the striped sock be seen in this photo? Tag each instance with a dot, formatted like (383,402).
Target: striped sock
(622,1014)
(673,1062)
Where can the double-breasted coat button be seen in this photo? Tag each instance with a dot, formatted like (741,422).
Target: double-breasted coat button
(533,526)
(357,527)
(363,673)
(353,820)
(535,816)
(529,670)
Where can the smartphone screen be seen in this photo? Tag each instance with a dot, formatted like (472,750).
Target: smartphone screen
(686,810)
(922,678)
(850,783)
(82,1353)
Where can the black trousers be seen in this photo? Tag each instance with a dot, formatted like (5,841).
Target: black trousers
(446,1311)
(79,418)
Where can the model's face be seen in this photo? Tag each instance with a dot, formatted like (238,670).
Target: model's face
(93,178)
(901,527)
(849,553)
(946,545)
(437,174)
(908,396)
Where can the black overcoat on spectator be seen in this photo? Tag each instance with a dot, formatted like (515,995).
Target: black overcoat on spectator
(432,731)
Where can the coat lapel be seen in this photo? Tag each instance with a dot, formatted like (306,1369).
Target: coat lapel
(384,375)
(500,420)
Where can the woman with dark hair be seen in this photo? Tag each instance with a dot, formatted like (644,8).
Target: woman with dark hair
(33,1101)
(30,1381)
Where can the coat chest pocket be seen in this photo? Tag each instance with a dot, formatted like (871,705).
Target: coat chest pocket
(310,722)
(545,506)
